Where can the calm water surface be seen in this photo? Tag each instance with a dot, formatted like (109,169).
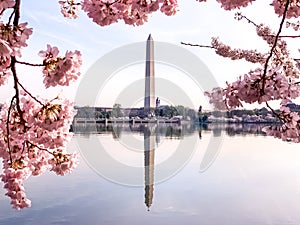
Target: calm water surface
(252,180)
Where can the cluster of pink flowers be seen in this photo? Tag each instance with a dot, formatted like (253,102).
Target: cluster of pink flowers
(14,184)
(232,4)
(275,86)
(34,142)
(289,130)
(234,54)
(5,4)
(132,12)
(62,163)
(275,81)
(279,6)
(293,10)
(265,33)
(295,25)
(5,52)
(216,98)
(15,36)
(60,70)
(12,39)
(34,134)
(281,57)
(248,89)
(69,9)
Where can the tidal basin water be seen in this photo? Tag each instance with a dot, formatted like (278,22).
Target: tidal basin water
(250,179)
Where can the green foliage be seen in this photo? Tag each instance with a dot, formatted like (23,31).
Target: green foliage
(116,111)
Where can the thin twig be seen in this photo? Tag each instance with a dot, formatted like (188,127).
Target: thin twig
(246,18)
(11,15)
(40,148)
(29,64)
(24,89)
(274,112)
(197,45)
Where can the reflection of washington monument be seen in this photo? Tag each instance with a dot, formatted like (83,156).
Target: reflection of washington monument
(149,149)
(149,138)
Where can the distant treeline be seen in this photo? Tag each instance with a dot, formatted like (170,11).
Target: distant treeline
(168,111)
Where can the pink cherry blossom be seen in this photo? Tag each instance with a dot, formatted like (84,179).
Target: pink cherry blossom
(63,163)
(235,54)
(289,130)
(60,70)
(4,4)
(132,12)
(232,4)
(37,142)
(293,10)
(5,52)
(15,36)
(14,184)
(69,9)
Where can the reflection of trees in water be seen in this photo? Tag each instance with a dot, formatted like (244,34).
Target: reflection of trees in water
(116,132)
(237,129)
(172,131)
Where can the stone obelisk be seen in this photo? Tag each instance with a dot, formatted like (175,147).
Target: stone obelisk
(149,101)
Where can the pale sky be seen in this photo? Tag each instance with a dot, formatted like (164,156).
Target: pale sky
(195,22)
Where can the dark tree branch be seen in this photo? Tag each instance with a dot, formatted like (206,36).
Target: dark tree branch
(16,83)
(17,12)
(11,15)
(289,36)
(282,36)
(2,11)
(273,47)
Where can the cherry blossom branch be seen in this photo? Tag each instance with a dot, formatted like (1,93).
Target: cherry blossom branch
(273,47)
(234,54)
(29,64)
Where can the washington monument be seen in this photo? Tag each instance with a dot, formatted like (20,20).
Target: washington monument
(149,101)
